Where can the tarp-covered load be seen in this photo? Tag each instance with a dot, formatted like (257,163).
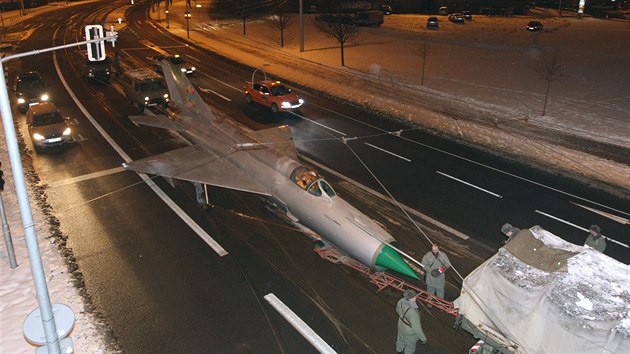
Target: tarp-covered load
(541,294)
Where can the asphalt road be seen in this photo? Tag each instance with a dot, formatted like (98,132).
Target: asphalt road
(162,289)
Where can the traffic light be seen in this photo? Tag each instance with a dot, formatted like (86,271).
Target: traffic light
(1,179)
(96,50)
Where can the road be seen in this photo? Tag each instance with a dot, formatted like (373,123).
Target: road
(162,289)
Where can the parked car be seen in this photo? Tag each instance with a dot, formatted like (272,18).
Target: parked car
(456,17)
(467,15)
(534,26)
(144,88)
(272,94)
(443,10)
(433,22)
(387,9)
(176,61)
(99,71)
(30,89)
(47,127)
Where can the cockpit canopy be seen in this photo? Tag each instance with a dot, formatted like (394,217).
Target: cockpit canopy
(312,182)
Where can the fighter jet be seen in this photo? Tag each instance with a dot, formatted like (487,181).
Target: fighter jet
(225,154)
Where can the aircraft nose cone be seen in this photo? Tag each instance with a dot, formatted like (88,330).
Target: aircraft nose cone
(390,259)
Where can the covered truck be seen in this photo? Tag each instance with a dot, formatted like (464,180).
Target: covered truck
(541,294)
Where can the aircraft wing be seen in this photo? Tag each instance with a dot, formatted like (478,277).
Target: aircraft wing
(157,121)
(278,138)
(195,164)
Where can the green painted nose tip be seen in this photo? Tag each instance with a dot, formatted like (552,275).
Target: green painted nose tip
(390,259)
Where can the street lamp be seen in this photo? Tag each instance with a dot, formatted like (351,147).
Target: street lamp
(187,15)
(167,23)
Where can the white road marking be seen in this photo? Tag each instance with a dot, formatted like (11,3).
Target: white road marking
(193,58)
(610,216)
(85,177)
(299,324)
(579,227)
(81,138)
(388,152)
(160,193)
(214,92)
(469,184)
(320,124)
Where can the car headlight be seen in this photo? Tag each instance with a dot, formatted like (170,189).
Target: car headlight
(38,136)
(45,97)
(193,68)
(67,131)
(146,98)
(301,101)
(166,95)
(285,104)
(21,100)
(183,70)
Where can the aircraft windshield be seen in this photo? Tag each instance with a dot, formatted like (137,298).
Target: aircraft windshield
(311,182)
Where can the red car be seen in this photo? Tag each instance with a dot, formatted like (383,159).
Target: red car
(272,94)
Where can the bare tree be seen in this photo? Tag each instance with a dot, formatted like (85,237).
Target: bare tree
(550,70)
(342,32)
(280,20)
(423,50)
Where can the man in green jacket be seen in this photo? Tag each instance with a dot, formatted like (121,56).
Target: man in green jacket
(595,239)
(409,326)
(435,264)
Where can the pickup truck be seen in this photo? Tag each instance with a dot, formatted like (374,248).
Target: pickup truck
(272,94)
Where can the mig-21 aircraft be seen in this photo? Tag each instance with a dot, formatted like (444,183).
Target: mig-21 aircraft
(225,154)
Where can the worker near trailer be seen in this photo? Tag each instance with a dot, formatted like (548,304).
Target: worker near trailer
(435,265)
(509,231)
(595,239)
(409,326)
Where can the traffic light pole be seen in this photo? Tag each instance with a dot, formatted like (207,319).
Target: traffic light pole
(37,269)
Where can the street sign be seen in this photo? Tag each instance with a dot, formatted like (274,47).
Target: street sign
(96,50)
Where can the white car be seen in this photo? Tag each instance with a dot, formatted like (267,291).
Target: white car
(47,127)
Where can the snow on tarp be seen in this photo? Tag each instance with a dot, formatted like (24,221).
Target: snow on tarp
(581,308)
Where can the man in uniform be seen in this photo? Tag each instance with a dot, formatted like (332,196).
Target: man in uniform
(595,239)
(409,326)
(435,264)
(509,231)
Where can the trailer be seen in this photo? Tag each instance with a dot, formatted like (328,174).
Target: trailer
(541,294)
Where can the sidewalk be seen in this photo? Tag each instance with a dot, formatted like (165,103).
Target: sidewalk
(497,106)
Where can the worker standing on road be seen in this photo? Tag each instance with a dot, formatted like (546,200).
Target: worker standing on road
(435,264)
(409,326)
(595,239)
(509,231)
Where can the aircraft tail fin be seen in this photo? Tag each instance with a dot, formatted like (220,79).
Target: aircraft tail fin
(184,94)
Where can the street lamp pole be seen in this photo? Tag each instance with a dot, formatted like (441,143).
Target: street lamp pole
(301,26)
(167,23)
(187,15)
